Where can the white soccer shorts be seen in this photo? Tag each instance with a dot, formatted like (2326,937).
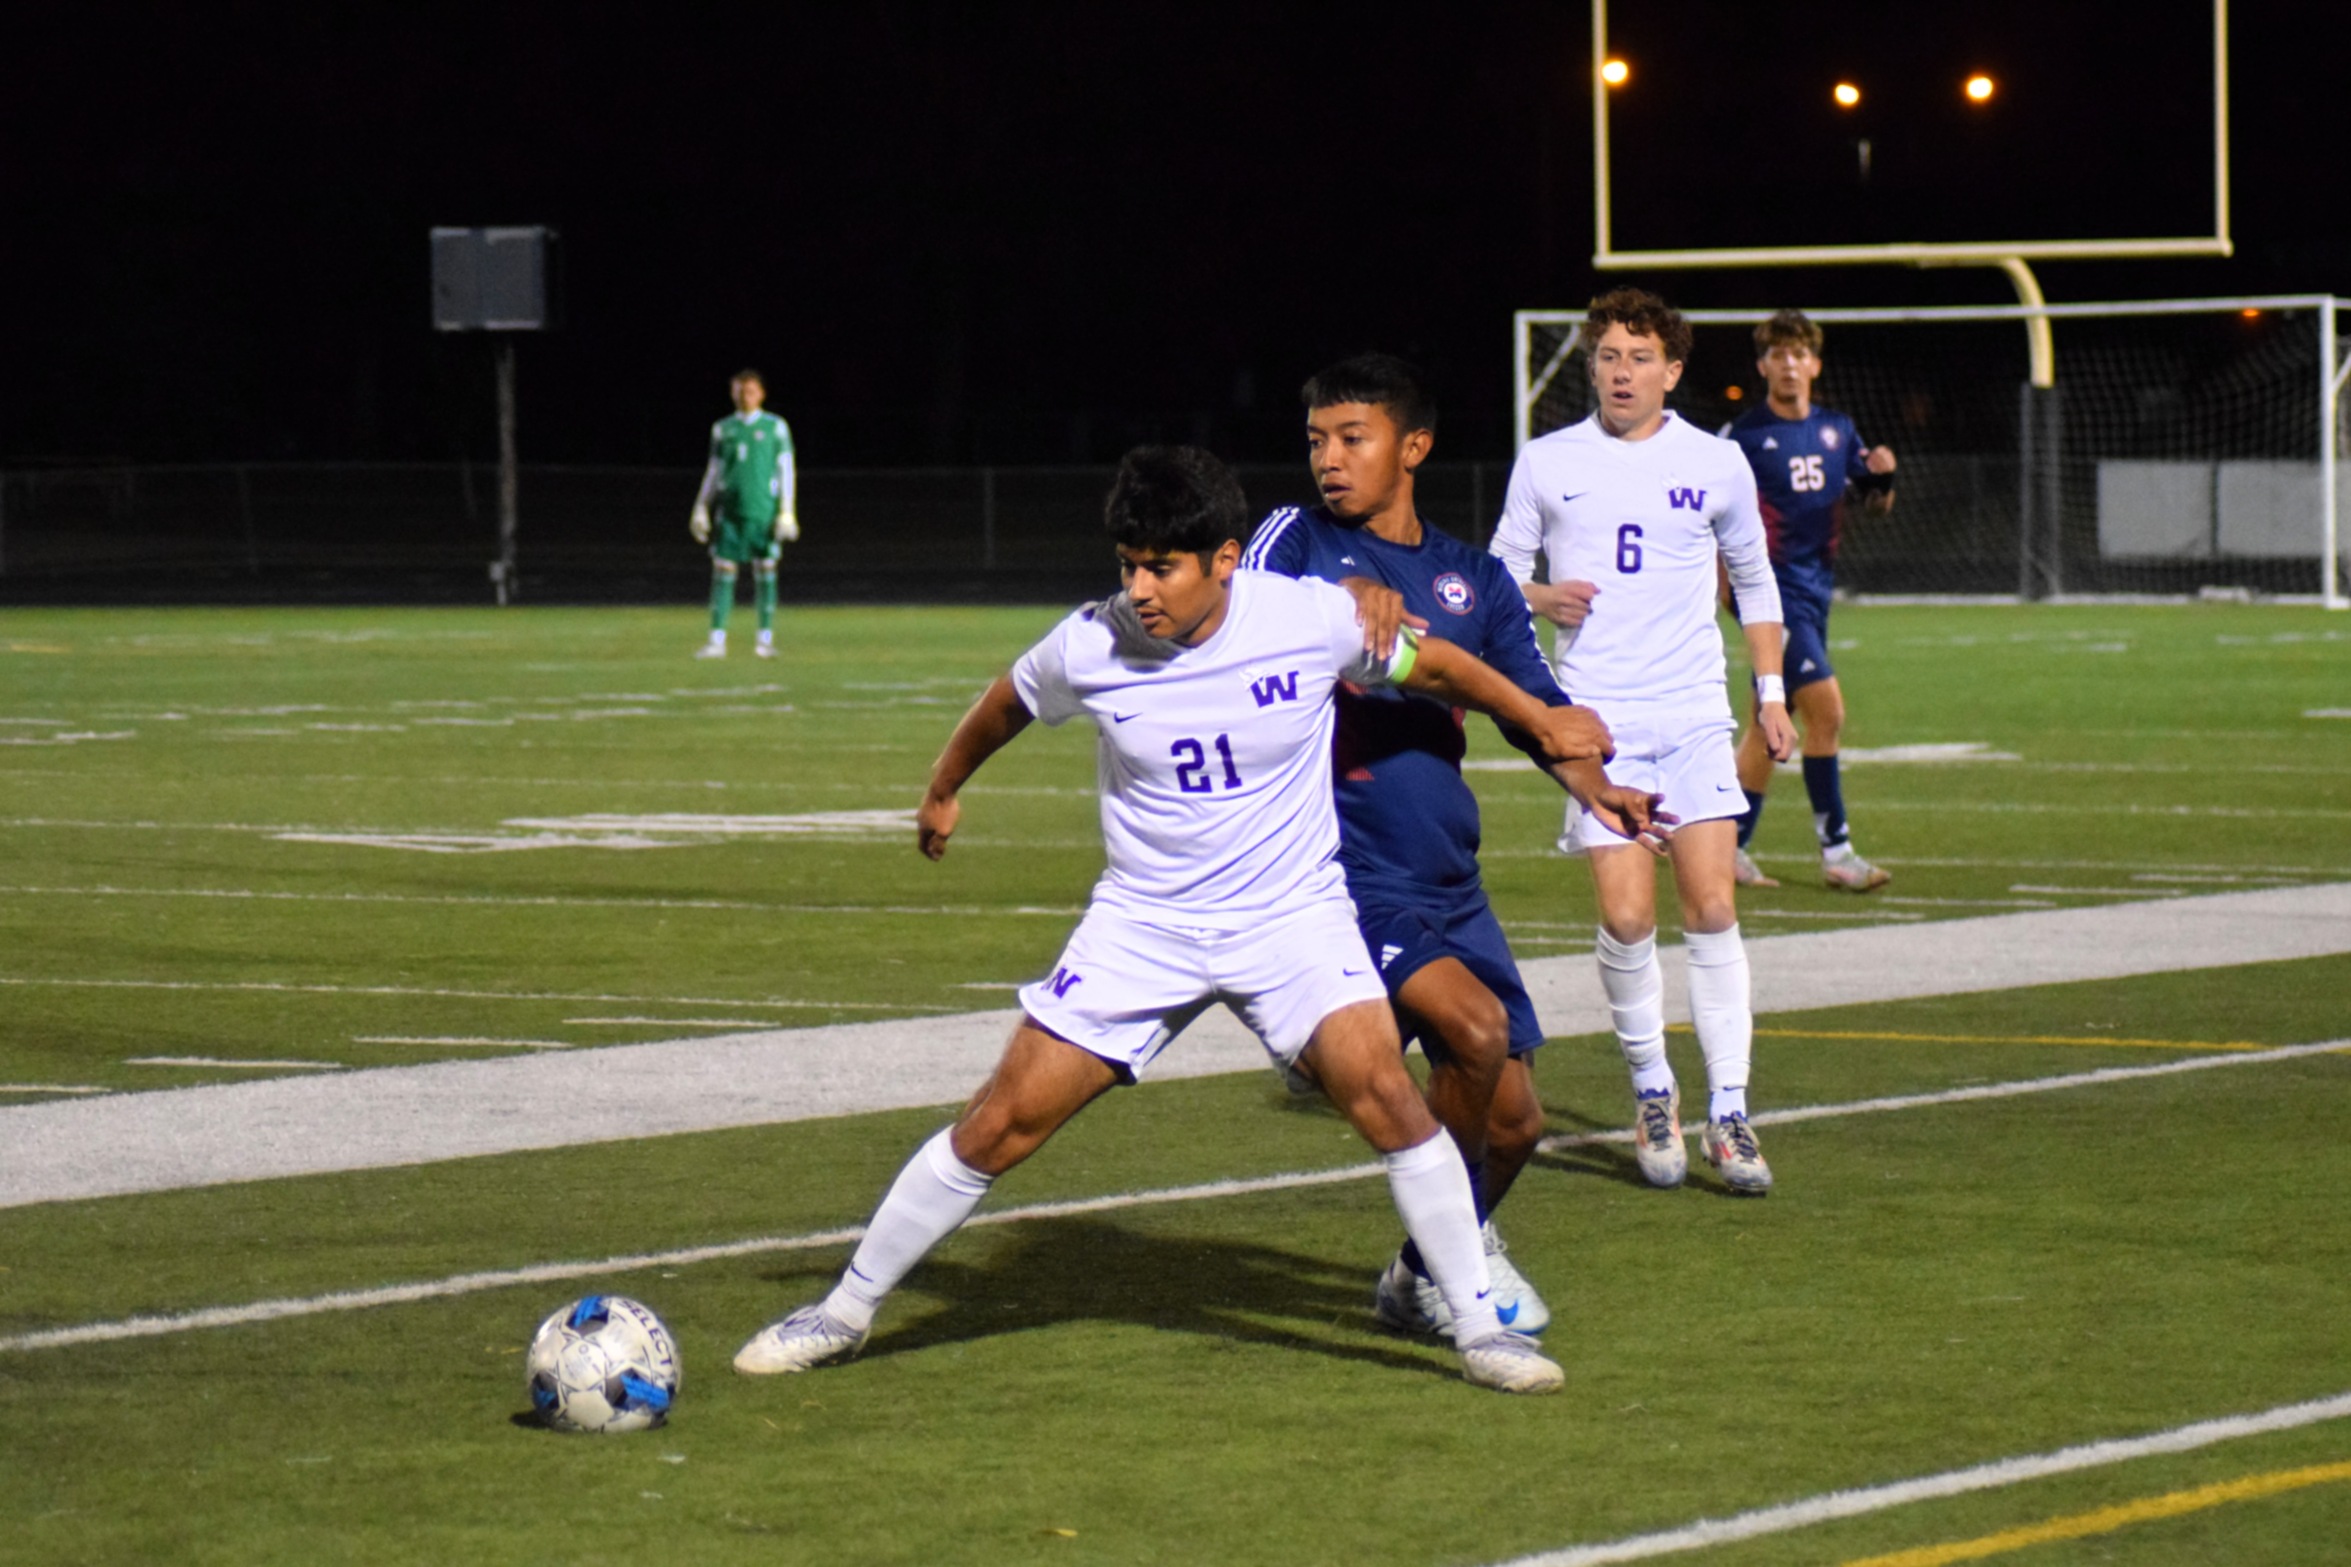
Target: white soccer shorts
(1684,754)
(1124,988)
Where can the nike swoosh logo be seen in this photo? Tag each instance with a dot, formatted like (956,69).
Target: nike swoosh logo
(1120,718)
(1577,496)
(1506,1315)
(1355,973)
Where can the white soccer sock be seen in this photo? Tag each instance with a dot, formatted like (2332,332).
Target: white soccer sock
(934,1193)
(1636,1001)
(1431,1188)
(1723,1013)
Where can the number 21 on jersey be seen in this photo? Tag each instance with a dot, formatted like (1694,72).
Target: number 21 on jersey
(1194,775)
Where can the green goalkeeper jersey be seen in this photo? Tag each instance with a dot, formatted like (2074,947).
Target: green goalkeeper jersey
(750,476)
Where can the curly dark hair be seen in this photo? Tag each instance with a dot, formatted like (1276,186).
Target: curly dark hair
(1644,315)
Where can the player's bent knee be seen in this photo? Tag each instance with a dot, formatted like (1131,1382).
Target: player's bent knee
(1514,1129)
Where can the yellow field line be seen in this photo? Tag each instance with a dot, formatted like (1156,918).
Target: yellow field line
(2106,1520)
(1995,1039)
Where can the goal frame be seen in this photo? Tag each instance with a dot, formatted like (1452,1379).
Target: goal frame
(2333,369)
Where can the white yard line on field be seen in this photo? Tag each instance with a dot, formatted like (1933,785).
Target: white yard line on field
(489,900)
(390,1116)
(1994,1475)
(481,1040)
(558,1272)
(282,987)
(265,1064)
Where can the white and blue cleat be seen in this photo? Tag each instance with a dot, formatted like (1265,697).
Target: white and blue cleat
(1406,1302)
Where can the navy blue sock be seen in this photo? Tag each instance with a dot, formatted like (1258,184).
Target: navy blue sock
(1752,815)
(1410,1257)
(1828,800)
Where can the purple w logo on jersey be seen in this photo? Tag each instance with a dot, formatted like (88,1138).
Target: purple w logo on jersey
(1061,981)
(1687,500)
(1275,688)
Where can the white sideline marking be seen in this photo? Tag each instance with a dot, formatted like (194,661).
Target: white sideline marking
(556,1272)
(675,1022)
(271,1065)
(1956,1482)
(51,1088)
(664,830)
(461,1039)
(288,988)
(452,1109)
(262,895)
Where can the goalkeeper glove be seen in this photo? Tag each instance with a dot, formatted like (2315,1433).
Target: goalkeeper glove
(787,528)
(699,524)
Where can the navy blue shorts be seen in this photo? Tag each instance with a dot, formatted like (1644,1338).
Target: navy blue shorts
(1405,938)
(1804,608)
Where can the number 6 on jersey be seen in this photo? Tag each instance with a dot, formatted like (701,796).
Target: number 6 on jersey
(1628,548)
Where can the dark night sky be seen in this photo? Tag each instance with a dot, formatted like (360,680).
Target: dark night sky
(1034,233)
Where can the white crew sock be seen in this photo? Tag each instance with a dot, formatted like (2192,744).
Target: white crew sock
(934,1194)
(1431,1188)
(1723,1014)
(1636,1001)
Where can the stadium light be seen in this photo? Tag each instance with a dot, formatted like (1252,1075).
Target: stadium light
(1735,393)
(1979,89)
(1615,73)
(1847,95)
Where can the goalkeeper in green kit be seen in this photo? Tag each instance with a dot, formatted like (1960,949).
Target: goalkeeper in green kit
(744,512)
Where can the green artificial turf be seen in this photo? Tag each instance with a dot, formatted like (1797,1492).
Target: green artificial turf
(1197,1381)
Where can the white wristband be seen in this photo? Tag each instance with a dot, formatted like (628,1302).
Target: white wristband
(1770,688)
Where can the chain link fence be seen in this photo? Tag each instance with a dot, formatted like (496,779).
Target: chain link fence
(293,531)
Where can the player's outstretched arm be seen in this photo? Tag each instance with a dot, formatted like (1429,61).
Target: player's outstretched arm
(1564,734)
(986,729)
(1628,812)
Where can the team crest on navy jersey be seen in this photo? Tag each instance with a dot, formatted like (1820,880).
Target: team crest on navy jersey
(1454,592)
(1828,438)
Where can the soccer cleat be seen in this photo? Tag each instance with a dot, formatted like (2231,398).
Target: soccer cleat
(1511,1363)
(1515,1300)
(1852,873)
(808,1337)
(1747,873)
(1657,1136)
(1407,1303)
(764,649)
(711,650)
(1731,1149)
(1402,1300)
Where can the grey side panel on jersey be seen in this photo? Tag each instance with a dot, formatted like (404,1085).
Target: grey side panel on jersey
(171,1139)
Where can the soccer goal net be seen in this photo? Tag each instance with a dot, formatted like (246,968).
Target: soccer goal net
(2187,445)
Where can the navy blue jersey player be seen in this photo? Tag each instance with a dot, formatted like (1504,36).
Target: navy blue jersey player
(1806,459)
(1408,823)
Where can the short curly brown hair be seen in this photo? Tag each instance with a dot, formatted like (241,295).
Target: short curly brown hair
(1790,327)
(1644,315)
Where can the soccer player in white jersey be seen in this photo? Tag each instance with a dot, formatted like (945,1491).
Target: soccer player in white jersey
(744,509)
(1212,689)
(1636,503)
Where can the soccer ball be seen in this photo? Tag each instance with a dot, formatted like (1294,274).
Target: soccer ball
(604,1363)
